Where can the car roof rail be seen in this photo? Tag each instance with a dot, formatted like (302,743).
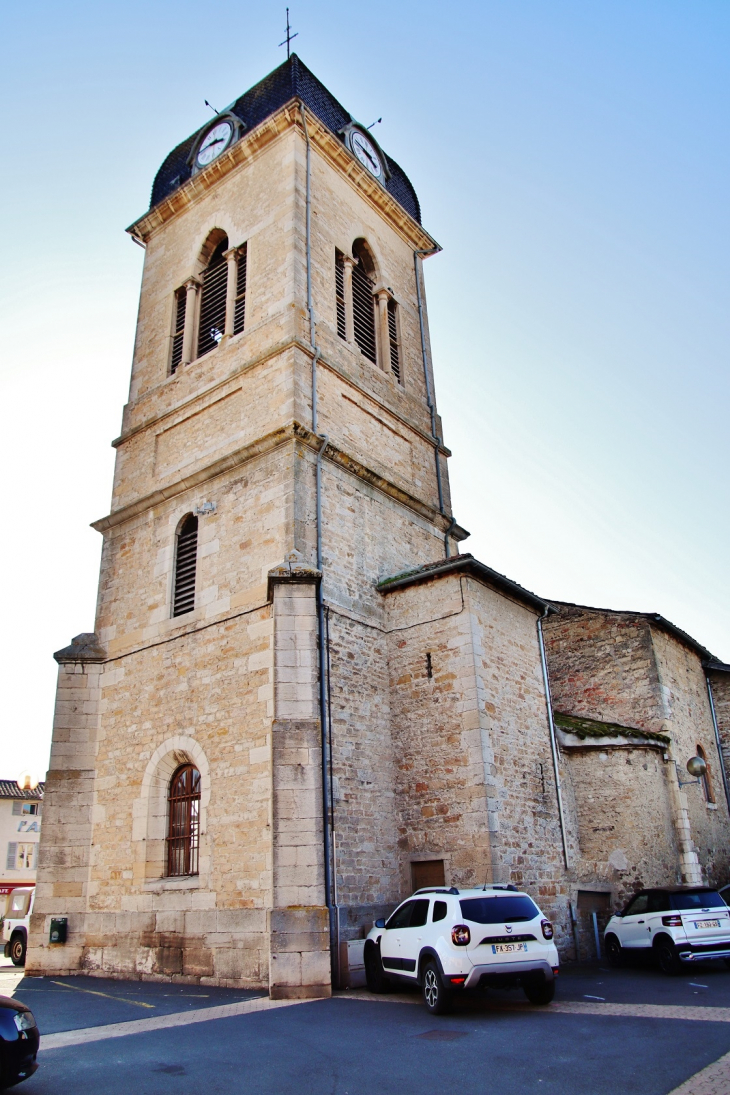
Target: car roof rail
(508,886)
(436,889)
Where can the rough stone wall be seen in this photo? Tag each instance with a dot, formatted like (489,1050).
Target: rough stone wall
(602,666)
(624,825)
(689,720)
(631,816)
(472,740)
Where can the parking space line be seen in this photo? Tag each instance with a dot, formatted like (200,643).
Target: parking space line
(66,1038)
(106,995)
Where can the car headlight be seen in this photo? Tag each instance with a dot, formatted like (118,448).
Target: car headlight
(24,1020)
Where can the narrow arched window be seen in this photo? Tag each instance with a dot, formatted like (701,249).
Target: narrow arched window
(363,301)
(214,278)
(239,305)
(183,824)
(706,780)
(186,560)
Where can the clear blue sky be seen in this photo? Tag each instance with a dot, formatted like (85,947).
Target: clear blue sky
(571,158)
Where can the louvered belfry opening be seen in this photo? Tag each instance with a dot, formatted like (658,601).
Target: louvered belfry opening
(363,301)
(239,313)
(186,558)
(340,293)
(393,338)
(213,300)
(183,824)
(179,332)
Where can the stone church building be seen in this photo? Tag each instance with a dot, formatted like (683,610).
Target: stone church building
(300,700)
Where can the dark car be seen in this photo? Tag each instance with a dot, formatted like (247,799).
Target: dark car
(19,1039)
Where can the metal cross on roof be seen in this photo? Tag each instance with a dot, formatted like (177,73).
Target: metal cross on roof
(289,36)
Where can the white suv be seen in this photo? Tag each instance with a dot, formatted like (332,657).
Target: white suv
(15,924)
(448,940)
(678,925)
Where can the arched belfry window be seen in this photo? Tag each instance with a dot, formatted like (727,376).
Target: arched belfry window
(363,301)
(183,824)
(186,560)
(214,279)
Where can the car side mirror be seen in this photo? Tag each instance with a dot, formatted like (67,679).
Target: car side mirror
(380,922)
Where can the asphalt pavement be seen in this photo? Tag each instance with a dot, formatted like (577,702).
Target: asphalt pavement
(356,1045)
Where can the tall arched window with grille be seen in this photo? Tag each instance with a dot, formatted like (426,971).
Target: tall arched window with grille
(212,325)
(186,561)
(183,821)
(363,301)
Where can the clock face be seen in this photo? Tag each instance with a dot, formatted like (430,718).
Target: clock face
(215,141)
(365,151)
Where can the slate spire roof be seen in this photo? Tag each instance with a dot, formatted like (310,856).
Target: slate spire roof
(292,80)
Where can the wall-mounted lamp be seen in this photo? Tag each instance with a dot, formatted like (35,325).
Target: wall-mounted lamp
(696,767)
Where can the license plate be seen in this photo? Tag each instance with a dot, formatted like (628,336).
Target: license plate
(707,924)
(508,948)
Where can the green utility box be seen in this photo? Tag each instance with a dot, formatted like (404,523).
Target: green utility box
(58,930)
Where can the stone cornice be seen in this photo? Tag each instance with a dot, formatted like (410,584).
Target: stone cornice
(275,351)
(244,150)
(266,444)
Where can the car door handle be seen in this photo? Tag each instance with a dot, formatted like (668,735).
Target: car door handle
(640,921)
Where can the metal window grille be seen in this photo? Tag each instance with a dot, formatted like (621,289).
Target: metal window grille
(340,293)
(213,301)
(239,314)
(183,825)
(393,337)
(12,852)
(186,558)
(363,307)
(179,332)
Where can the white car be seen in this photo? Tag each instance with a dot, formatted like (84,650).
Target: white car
(678,925)
(15,924)
(449,940)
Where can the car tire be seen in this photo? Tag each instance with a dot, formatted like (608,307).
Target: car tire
(667,957)
(375,977)
(17,950)
(540,994)
(436,996)
(614,952)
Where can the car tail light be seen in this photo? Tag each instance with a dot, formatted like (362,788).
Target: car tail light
(547,929)
(457,980)
(460,935)
(672,921)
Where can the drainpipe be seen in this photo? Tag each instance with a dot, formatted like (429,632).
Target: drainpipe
(717,740)
(553,741)
(329,866)
(429,398)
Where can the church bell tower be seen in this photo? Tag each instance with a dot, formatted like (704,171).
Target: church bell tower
(221,791)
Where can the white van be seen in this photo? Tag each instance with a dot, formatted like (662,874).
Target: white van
(15,924)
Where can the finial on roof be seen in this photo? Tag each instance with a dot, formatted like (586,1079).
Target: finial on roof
(289,37)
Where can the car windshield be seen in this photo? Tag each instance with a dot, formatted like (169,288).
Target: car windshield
(498,910)
(19,905)
(700,899)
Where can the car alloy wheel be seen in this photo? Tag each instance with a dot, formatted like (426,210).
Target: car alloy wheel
(435,996)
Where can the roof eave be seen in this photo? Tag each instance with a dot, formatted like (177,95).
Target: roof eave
(469,565)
